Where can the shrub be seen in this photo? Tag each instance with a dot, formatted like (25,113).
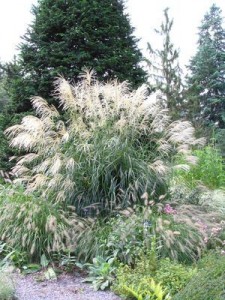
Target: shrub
(33,225)
(125,240)
(114,146)
(208,283)
(173,276)
(138,283)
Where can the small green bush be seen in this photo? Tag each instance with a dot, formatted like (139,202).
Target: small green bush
(173,276)
(140,282)
(208,283)
(146,289)
(7,289)
(101,272)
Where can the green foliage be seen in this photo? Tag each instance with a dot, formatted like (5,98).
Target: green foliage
(67,260)
(138,283)
(138,280)
(147,289)
(66,36)
(7,289)
(101,273)
(127,238)
(219,138)
(115,146)
(5,150)
(35,226)
(93,242)
(173,276)
(206,82)
(3,94)
(208,283)
(209,169)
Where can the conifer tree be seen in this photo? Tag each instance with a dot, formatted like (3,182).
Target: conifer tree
(68,35)
(165,71)
(3,94)
(206,82)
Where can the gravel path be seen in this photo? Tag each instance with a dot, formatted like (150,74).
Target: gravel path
(66,287)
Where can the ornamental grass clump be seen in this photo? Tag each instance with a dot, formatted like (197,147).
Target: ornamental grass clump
(108,147)
(35,226)
(149,232)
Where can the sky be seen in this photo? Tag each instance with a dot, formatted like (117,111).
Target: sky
(145,16)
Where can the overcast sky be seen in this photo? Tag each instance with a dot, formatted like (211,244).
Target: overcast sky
(145,15)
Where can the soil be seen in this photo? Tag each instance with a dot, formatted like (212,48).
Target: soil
(66,287)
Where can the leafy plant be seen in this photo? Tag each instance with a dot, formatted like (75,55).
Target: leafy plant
(115,145)
(50,274)
(125,240)
(147,289)
(31,268)
(141,280)
(101,273)
(138,282)
(173,276)
(67,261)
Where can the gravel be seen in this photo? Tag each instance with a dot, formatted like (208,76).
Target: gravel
(66,287)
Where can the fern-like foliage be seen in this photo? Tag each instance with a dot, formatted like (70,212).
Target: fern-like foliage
(109,147)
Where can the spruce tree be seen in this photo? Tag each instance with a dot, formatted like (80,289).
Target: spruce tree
(3,94)
(165,71)
(65,37)
(206,105)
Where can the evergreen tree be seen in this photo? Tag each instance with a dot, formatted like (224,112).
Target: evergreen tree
(165,71)
(206,81)
(3,94)
(68,35)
